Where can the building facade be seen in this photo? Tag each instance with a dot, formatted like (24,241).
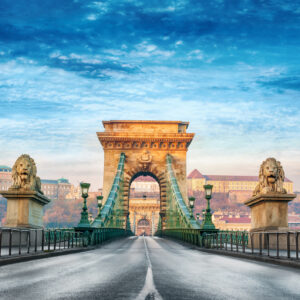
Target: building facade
(5,178)
(53,189)
(227,183)
(57,189)
(145,184)
(144,215)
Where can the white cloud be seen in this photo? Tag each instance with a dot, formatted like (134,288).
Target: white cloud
(178,43)
(92,17)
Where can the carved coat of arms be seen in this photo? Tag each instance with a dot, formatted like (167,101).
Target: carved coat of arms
(145,160)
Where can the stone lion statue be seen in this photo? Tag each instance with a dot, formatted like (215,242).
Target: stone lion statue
(24,175)
(271,178)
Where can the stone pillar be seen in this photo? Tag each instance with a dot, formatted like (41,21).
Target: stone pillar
(24,208)
(25,199)
(269,214)
(269,206)
(269,211)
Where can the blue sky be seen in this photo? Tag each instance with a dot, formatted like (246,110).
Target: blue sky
(230,68)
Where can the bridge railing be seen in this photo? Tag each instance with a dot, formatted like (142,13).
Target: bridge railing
(270,244)
(16,241)
(100,235)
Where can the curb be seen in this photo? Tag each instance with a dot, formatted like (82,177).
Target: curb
(32,256)
(27,257)
(292,263)
(272,260)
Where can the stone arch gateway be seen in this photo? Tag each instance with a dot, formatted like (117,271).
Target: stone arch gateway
(145,145)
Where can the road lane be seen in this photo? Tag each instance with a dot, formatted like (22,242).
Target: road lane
(120,270)
(191,274)
(115,271)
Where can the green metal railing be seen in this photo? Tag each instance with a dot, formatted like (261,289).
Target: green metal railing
(220,240)
(16,241)
(237,237)
(101,235)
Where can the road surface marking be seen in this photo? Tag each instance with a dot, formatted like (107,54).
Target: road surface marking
(148,291)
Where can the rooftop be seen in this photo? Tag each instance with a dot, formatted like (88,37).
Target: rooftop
(195,174)
(49,181)
(236,220)
(145,126)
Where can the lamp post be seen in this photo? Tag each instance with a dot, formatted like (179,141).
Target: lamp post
(99,201)
(191,202)
(207,223)
(197,216)
(97,222)
(84,220)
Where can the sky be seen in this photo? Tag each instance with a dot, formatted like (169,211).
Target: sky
(230,68)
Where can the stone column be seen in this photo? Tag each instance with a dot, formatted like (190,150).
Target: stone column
(269,206)
(25,199)
(24,208)
(269,211)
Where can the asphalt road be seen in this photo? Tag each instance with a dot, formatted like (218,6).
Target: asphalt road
(147,268)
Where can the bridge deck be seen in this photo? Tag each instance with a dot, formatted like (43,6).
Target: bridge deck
(133,268)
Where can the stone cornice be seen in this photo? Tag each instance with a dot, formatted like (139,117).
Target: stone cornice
(156,141)
(147,136)
(271,197)
(145,207)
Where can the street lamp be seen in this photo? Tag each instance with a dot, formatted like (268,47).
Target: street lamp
(208,191)
(197,216)
(84,220)
(99,201)
(207,223)
(191,202)
(84,189)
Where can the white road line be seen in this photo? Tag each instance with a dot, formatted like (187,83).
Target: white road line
(148,291)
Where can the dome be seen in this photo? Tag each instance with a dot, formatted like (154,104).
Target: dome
(63,180)
(5,168)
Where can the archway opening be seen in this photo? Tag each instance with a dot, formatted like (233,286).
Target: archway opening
(143,227)
(144,203)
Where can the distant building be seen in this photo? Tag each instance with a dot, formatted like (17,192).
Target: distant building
(57,189)
(232,221)
(5,178)
(53,189)
(144,186)
(227,183)
(294,221)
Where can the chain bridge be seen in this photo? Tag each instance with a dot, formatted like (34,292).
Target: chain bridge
(182,260)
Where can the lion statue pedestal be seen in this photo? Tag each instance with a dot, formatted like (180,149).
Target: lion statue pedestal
(269,203)
(269,212)
(25,200)
(24,209)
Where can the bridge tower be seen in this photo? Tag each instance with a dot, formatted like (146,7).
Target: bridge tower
(146,145)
